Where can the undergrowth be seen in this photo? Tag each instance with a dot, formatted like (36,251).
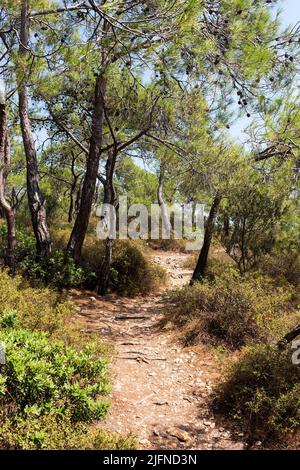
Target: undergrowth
(261,392)
(54,381)
(230,308)
(132,272)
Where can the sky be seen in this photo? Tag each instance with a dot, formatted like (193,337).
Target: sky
(290,11)
(290,15)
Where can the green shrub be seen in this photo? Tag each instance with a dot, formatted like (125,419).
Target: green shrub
(38,309)
(49,393)
(262,393)
(56,270)
(53,433)
(40,377)
(132,272)
(9,319)
(231,308)
(282,267)
(25,247)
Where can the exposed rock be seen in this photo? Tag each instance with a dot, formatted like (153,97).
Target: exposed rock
(182,436)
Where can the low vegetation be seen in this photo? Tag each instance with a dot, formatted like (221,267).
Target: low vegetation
(168,245)
(51,385)
(37,308)
(132,271)
(232,308)
(261,392)
(250,313)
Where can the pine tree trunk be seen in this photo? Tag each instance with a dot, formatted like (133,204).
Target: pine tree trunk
(78,199)
(199,271)
(289,337)
(104,275)
(72,205)
(105,270)
(231,242)
(4,205)
(92,167)
(166,224)
(36,201)
(226,227)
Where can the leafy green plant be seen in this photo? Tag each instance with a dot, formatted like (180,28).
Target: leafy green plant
(41,376)
(132,273)
(25,246)
(55,270)
(262,393)
(48,392)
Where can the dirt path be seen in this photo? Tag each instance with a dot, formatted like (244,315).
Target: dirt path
(160,390)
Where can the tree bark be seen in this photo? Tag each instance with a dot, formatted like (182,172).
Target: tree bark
(36,200)
(231,242)
(4,205)
(105,269)
(166,224)
(78,199)
(104,275)
(199,271)
(73,186)
(89,183)
(72,203)
(242,261)
(290,336)
(226,227)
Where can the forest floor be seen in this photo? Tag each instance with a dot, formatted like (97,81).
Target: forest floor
(161,391)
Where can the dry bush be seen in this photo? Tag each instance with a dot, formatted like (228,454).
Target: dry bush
(132,273)
(178,246)
(282,267)
(231,308)
(261,392)
(38,309)
(48,432)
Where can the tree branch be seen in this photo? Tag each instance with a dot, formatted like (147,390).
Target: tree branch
(132,140)
(67,131)
(52,11)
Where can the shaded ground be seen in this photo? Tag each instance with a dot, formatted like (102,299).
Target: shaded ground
(160,391)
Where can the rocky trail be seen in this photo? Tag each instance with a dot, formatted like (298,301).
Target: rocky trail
(160,390)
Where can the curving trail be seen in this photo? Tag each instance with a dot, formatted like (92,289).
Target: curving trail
(161,390)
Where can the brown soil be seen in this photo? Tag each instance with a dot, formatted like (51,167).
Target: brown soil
(160,391)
